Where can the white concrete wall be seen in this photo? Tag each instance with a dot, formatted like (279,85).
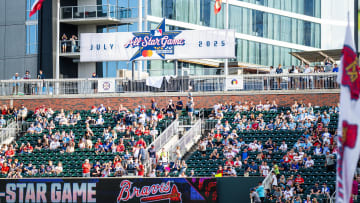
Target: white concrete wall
(334,17)
(86,69)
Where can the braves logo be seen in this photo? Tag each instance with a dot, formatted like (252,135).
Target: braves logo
(351,70)
(149,193)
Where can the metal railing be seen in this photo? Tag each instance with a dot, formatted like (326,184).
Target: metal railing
(96,11)
(248,82)
(165,136)
(69,46)
(188,139)
(8,132)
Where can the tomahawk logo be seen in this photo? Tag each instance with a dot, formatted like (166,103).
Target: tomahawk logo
(350,73)
(153,193)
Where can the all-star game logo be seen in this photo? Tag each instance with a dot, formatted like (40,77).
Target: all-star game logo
(153,193)
(157,41)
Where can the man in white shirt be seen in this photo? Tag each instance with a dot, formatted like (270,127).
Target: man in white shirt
(100,120)
(309,163)
(54,144)
(264,168)
(283,146)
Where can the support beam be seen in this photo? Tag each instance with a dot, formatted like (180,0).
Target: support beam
(140,25)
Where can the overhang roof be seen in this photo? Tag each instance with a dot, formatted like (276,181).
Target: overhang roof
(318,56)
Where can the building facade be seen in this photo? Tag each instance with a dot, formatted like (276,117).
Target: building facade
(18,39)
(266,31)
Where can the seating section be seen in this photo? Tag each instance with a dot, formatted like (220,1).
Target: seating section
(268,148)
(72,162)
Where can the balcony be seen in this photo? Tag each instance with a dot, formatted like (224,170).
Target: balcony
(70,49)
(97,15)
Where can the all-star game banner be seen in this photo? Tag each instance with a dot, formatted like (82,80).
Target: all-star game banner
(157,44)
(109,190)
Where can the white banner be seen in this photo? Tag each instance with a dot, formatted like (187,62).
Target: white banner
(157,44)
(106,85)
(234,83)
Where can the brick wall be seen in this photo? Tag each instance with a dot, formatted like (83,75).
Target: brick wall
(200,101)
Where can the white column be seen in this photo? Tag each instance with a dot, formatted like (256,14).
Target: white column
(140,30)
(145,27)
(226,69)
(57,61)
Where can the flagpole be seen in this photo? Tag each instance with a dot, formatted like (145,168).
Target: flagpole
(226,69)
(140,30)
(57,60)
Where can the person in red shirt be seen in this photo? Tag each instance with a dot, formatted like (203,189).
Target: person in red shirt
(141,142)
(86,168)
(147,131)
(120,147)
(287,158)
(299,179)
(220,170)
(141,169)
(255,125)
(5,169)
(217,135)
(10,152)
(160,116)
(28,148)
(138,132)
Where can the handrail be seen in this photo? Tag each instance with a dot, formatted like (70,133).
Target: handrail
(192,77)
(8,132)
(263,82)
(188,139)
(165,136)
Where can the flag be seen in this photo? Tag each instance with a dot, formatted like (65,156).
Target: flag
(217,6)
(36,7)
(349,120)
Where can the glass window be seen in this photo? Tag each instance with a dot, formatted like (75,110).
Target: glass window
(29,4)
(31,29)
(247,21)
(304,7)
(31,39)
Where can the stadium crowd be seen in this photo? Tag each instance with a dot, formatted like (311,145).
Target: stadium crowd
(124,133)
(308,132)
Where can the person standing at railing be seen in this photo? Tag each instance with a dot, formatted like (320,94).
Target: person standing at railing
(308,79)
(73,43)
(279,70)
(64,38)
(27,86)
(94,82)
(16,85)
(2,122)
(40,85)
(272,80)
(190,107)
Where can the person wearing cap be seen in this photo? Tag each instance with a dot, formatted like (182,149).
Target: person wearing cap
(299,179)
(86,168)
(326,190)
(16,85)
(254,196)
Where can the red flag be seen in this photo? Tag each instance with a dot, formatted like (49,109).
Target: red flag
(217,6)
(36,7)
(349,121)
